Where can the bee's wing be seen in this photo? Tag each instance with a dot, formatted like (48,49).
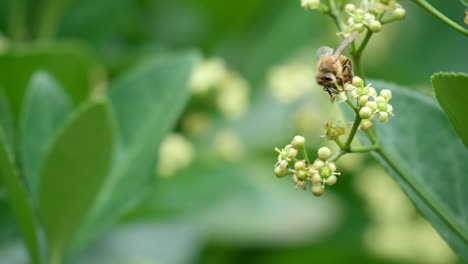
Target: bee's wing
(344,44)
(324,51)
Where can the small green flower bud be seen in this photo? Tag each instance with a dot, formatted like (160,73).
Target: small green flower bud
(365,112)
(300,165)
(383,117)
(317,190)
(387,94)
(372,105)
(363,99)
(375,26)
(362,91)
(302,175)
(295,179)
(369,17)
(316,179)
(332,166)
(281,172)
(359,27)
(390,109)
(298,142)
(318,164)
(331,180)
(358,82)
(354,94)
(283,164)
(324,153)
(325,172)
(349,87)
(400,13)
(379,8)
(359,15)
(381,106)
(292,153)
(366,123)
(310,4)
(350,8)
(341,97)
(372,92)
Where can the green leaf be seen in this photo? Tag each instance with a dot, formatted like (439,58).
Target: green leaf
(73,173)
(6,121)
(19,64)
(451,90)
(147,103)
(171,242)
(45,108)
(19,200)
(424,155)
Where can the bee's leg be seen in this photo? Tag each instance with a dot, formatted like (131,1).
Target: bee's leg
(328,90)
(333,89)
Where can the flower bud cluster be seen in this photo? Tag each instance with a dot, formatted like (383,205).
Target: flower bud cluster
(228,90)
(319,174)
(383,6)
(285,156)
(359,19)
(371,15)
(370,104)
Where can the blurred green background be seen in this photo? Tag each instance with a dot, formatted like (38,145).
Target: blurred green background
(224,204)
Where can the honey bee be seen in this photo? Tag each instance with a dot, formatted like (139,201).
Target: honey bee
(333,69)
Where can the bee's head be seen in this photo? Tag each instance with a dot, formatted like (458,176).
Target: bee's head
(326,79)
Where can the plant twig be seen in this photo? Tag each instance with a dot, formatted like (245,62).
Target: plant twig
(339,143)
(337,155)
(436,13)
(362,149)
(364,42)
(357,122)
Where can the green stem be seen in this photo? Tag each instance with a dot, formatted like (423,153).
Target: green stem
(343,4)
(339,143)
(362,149)
(357,66)
(304,154)
(357,122)
(364,42)
(371,135)
(389,20)
(334,13)
(436,13)
(415,187)
(350,103)
(356,53)
(16,20)
(337,155)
